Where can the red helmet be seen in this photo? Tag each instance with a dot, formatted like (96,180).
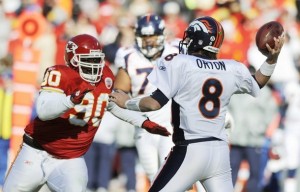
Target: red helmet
(83,53)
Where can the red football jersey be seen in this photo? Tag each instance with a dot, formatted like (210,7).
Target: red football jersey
(71,134)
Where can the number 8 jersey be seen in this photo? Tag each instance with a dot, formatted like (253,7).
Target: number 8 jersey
(70,135)
(200,99)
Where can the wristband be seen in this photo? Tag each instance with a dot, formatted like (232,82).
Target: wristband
(267,69)
(133,104)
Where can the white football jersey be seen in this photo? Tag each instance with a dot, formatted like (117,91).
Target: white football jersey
(201,90)
(138,68)
(292,120)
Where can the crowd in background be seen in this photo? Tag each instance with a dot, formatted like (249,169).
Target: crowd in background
(40,29)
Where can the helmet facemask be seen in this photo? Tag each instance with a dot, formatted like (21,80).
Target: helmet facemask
(150,49)
(90,66)
(184,43)
(149,35)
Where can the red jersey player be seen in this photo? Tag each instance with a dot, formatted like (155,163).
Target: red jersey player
(71,103)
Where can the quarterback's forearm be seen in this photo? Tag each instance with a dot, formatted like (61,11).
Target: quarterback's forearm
(51,105)
(149,103)
(261,79)
(143,104)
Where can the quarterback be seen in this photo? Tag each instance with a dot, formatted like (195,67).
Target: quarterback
(200,86)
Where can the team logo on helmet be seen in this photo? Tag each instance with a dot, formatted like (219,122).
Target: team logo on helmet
(71,47)
(108,82)
(201,25)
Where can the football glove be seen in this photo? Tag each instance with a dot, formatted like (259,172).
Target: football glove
(78,95)
(154,128)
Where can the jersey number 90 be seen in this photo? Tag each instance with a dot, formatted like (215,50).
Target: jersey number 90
(90,109)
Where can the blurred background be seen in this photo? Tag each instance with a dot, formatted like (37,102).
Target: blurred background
(34,32)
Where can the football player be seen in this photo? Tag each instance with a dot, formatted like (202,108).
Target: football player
(70,105)
(291,136)
(135,63)
(200,86)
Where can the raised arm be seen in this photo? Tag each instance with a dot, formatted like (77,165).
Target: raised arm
(265,71)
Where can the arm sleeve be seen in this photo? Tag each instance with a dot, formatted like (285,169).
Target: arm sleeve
(133,117)
(247,84)
(51,105)
(165,78)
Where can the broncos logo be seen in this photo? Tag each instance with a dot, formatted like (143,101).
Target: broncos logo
(71,47)
(201,25)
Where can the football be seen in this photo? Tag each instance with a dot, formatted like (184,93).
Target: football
(265,35)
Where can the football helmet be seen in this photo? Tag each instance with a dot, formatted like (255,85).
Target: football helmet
(149,35)
(83,53)
(202,33)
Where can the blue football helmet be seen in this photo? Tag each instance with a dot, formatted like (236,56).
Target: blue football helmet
(149,35)
(202,33)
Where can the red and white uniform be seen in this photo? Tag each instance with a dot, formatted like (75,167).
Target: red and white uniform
(71,134)
(151,148)
(200,90)
(64,131)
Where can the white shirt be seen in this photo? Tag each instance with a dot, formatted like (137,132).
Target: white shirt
(138,68)
(201,89)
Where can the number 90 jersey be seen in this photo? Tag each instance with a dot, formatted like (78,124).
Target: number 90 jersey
(71,134)
(201,91)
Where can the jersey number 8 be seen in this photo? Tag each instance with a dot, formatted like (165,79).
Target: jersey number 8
(211,90)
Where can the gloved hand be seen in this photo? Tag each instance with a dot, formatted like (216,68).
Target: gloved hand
(154,128)
(78,95)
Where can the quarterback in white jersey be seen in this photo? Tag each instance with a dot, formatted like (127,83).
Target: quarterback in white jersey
(135,64)
(200,86)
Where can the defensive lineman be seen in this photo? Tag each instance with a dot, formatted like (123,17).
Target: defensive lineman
(71,103)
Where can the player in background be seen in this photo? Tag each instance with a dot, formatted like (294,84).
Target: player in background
(70,105)
(291,136)
(200,86)
(135,63)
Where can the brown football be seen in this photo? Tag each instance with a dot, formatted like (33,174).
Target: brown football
(265,35)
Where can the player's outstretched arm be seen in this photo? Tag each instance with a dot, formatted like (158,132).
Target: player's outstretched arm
(143,104)
(137,119)
(263,75)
